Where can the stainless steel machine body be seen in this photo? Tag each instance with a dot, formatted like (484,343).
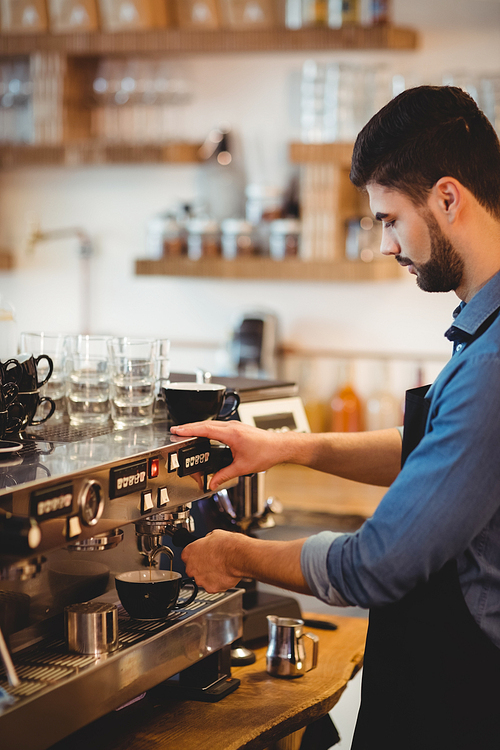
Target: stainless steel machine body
(77,507)
(72,515)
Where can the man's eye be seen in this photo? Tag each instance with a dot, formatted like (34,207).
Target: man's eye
(388,224)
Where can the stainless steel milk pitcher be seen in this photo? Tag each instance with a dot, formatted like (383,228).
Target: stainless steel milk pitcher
(286,653)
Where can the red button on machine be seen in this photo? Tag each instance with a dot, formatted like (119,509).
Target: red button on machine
(154,468)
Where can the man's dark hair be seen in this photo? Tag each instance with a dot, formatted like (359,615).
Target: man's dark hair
(427,133)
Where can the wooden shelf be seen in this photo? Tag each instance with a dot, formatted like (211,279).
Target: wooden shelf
(319,153)
(6,260)
(266,269)
(96,152)
(223,40)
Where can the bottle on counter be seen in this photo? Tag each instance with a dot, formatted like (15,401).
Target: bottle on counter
(382,407)
(314,12)
(346,406)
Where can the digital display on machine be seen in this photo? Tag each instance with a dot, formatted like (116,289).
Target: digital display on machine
(278,422)
(57,501)
(123,480)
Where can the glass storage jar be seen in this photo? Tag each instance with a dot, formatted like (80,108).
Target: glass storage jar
(237,238)
(203,239)
(284,238)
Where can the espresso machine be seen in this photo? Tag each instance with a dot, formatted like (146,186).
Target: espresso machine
(78,506)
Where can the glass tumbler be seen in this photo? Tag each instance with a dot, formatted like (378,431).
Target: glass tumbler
(133,380)
(88,377)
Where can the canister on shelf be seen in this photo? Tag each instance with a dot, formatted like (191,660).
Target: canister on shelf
(237,238)
(284,238)
(263,203)
(203,239)
(165,238)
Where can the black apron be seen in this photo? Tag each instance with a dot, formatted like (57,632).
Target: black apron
(431,677)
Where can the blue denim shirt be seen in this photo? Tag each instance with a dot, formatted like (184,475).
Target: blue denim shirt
(445,502)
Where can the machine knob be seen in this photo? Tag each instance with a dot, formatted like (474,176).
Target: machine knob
(91,502)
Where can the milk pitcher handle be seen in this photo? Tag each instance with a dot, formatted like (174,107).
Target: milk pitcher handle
(315,640)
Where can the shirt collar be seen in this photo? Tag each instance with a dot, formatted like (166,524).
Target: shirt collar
(469,317)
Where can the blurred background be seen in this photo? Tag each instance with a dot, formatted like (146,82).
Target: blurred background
(172,168)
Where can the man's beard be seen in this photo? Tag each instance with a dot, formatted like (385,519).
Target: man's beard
(444,270)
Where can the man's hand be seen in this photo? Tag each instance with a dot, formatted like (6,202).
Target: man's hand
(210,561)
(222,558)
(253,449)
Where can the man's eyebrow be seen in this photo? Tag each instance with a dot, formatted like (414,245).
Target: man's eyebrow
(380,216)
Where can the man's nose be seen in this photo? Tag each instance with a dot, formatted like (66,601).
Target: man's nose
(388,245)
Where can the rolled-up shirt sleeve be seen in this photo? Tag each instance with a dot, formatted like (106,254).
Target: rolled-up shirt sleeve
(314,563)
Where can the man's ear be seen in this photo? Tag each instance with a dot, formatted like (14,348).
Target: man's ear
(447,197)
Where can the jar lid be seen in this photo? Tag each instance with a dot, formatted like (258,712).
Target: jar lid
(285,226)
(236,226)
(202,226)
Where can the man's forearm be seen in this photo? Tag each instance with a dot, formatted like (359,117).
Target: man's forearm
(368,457)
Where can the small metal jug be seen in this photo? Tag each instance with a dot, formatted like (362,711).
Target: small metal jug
(91,627)
(286,654)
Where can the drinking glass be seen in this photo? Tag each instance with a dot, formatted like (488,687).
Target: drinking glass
(162,358)
(133,380)
(54,346)
(88,394)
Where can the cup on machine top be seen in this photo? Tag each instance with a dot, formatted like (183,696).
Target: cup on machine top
(195,402)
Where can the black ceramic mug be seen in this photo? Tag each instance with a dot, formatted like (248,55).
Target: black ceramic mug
(29,403)
(152,594)
(195,402)
(10,420)
(8,394)
(24,371)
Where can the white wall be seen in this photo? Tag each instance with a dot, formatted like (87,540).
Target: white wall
(255,93)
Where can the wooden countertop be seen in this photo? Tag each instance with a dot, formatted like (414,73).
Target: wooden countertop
(300,488)
(260,712)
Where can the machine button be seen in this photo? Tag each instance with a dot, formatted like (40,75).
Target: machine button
(146,501)
(73,527)
(173,462)
(154,468)
(162,498)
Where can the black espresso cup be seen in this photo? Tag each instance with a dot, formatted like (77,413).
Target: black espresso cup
(10,420)
(8,394)
(29,403)
(24,371)
(195,402)
(152,594)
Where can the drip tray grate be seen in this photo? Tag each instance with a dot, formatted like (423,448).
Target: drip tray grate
(64,432)
(47,662)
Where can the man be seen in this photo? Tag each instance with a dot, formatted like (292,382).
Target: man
(427,564)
